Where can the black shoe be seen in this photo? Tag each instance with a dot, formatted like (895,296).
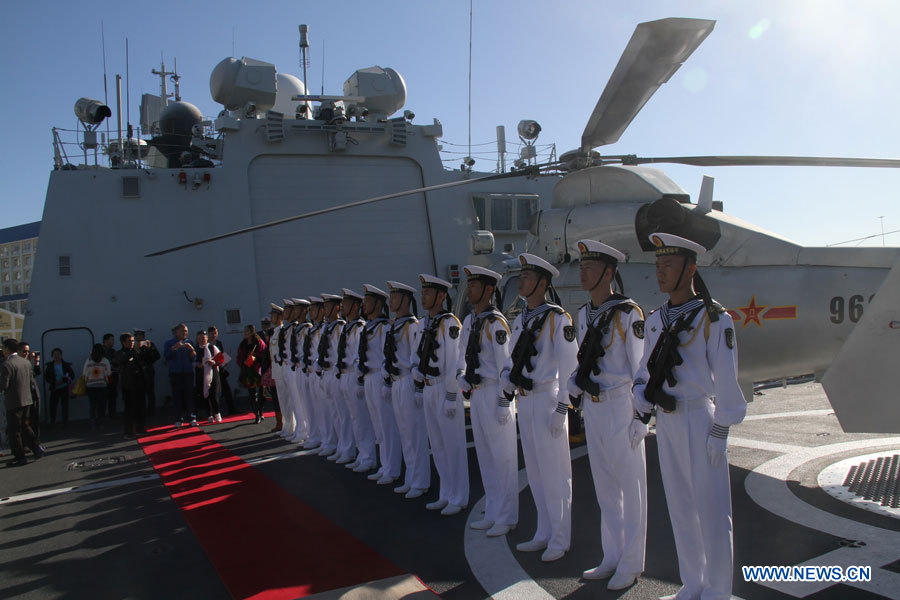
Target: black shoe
(39,453)
(18,462)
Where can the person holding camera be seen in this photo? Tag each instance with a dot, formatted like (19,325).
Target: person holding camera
(134,362)
(152,355)
(180,355)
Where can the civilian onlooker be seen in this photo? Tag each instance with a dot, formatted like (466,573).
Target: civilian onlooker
(59,375)
(133,363)
(250,357)
(140,341)
(206,378)
(34,358)
(112,390)
(224,385)
(180,360)
(96,374)
(16,377)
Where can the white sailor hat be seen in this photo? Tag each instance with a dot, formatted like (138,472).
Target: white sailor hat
(430,281)
(667,244)
(351,294)
(287,302)
(530,262)
(476,272)
(371,290)
(139,330)
(396,286)
(300,302)
(316,300)
(276,308)
(331,298)
(592,249)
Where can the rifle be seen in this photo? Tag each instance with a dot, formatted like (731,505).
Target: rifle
(592,350)
(307,348)
(525,349)
(473,349)
(363,352)
(322,360)
(427,350)
(390,355)
(663,359)
(280,355)
(342,348)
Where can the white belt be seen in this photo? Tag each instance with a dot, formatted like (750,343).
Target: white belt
(608,393)
(538,388)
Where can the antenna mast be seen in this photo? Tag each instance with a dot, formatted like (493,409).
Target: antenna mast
(470,78)
(304,57)
(323,67)
(105,92)
(163,89)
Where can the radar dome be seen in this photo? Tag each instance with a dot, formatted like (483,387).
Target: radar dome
(383,89)
(176,123)
(236,83)
(288,87)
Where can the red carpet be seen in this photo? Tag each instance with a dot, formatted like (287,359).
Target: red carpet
(264,542)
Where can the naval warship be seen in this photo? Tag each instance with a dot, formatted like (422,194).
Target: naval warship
(231,510)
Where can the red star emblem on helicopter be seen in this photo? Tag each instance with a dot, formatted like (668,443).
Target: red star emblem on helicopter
(752,313)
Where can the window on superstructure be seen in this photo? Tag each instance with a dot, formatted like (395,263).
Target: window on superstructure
(65,266)
(233,316)
(480,215)
(525,211)
(501,214)
(131,187)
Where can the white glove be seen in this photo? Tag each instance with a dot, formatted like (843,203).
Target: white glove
(558,420)
(637,431)
(717,445)
(450,405)
(419,398)
(504,412)
(463,384)
(573,388)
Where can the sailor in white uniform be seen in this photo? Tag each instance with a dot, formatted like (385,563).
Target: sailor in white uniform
(294,376)
(483,350)
(328,341)
(310,381)
(434,374)
(282,349)
(611,344)
(354,395)
(278,355)
(399,347)
(544,351)
(370,358)
(689,371)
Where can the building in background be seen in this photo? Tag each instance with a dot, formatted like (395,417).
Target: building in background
(18,246)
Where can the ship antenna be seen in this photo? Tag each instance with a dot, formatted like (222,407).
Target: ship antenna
(127,92)
(105,92)
(304,58)
(323,67)
(470,78)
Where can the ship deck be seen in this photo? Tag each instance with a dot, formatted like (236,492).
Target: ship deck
(232,510)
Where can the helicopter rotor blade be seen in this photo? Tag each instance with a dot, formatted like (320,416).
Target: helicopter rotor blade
(654,53)
(529,172)
(764,161)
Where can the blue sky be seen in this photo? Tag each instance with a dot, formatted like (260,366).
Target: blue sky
(799,77)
